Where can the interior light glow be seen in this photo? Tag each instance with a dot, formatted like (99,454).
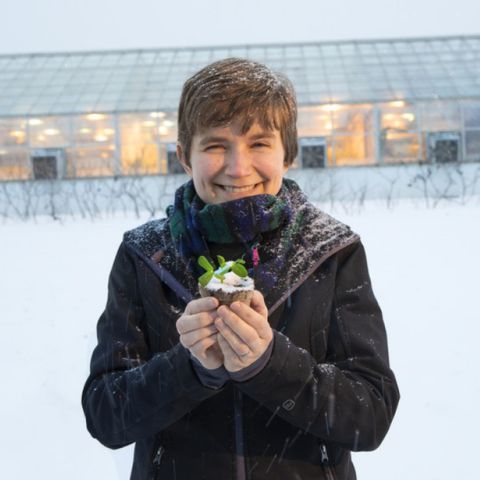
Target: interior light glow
(51,131)
(389,116)
(35,121)
(158,114)
(41,138)
(331,107)
(149,123)
(85,130)
(100,137)
(95,116)
(397,103)
(410,117)
(163,130)
(17,134)
(108,131)
(3,152)
(168,123)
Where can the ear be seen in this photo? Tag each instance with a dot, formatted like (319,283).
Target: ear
(183,160)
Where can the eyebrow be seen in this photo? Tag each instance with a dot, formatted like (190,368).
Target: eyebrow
(215,139)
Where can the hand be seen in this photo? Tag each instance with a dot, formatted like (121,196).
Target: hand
(198,332)
(244,332)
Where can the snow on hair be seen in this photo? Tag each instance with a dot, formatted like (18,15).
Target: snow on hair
(238,90)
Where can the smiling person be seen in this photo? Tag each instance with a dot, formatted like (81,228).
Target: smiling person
(282,388)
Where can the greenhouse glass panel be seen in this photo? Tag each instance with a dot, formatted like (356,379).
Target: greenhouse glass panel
(397,147)
(94,161)
(440,116)
(73,61)
(14,163)
(354,150)
(398,117)
(12,132)
(49,132)
(93,129)
(471,114)
(352,119)
(472,145)
(314,122)
(140,159)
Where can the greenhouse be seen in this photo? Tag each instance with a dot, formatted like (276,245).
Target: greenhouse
(113,113)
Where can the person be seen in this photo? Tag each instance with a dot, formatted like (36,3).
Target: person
(283,388)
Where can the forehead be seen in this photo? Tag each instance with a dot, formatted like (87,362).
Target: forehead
(236,130)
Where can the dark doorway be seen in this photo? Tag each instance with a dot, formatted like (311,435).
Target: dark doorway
(45,167)
(312,152)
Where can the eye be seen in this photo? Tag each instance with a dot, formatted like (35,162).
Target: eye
(214,147)
(260,145)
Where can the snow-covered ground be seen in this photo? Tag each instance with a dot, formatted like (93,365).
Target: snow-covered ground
(424,264)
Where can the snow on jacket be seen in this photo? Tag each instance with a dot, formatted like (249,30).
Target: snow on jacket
(326,390)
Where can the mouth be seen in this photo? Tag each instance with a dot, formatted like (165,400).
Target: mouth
(235,189)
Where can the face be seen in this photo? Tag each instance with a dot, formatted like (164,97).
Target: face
(227,165)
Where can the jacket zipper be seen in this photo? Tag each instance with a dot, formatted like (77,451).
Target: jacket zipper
(239,441)
(325,462)
(157,460)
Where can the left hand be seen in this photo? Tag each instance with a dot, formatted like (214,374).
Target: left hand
(244,332)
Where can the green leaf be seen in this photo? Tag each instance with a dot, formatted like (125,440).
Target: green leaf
(221,260)
(239,269)
(220,276)
(205,278)
(205,264)
(240,260)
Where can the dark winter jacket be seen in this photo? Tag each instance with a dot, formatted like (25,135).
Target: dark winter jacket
(326,390)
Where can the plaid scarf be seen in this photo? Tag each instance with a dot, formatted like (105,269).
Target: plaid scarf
(193,223)
(298,237)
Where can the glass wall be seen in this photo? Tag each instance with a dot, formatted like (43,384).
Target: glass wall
(471,119)
(399,140)
(347,131)
(331,135)
(90,145)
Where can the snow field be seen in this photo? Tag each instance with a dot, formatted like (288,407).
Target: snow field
(424,265)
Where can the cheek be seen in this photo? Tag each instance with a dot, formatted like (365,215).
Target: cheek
(204,172)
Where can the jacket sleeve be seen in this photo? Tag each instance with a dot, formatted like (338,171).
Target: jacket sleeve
(349,400)
(132,393)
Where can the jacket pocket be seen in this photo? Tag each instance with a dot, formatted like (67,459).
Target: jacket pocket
(329,473)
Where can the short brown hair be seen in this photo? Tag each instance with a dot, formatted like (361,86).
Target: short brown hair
(236,89)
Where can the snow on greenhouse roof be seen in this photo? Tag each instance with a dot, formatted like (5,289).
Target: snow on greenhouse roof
(323,72)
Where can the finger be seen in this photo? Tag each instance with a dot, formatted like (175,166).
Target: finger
(199,349)
(257,321)
(237,345)
(191,338)
(225,347)
(189,323)
(258,304)
(198,305)
(245,331)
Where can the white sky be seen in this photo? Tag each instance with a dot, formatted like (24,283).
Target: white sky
(29,26)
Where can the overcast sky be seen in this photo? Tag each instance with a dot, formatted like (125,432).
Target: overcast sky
(70,25)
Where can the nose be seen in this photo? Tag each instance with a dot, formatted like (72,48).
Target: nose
(238,163)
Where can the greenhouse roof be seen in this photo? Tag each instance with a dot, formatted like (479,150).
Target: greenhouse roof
(322,72)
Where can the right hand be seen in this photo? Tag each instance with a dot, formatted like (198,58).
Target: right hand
(198,332)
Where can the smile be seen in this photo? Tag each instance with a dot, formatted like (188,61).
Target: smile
(232,189)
